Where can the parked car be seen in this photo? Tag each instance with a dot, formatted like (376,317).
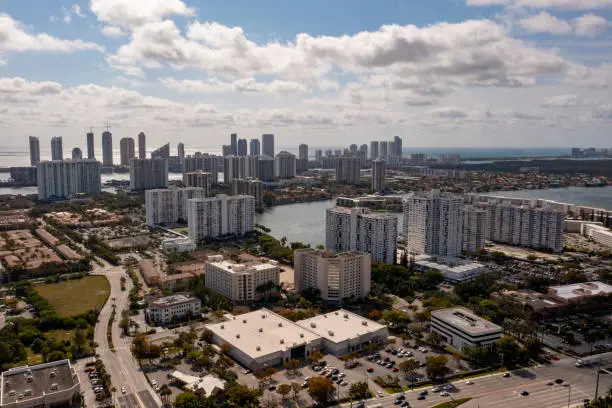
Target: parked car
(444,394)
(524,393)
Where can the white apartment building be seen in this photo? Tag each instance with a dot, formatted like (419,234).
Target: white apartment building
(357,229)
(202,162)
(169,206)
(242,283)
(146,174)
(433,223)
(164,310)
(348,170)
(378,176)
(203,179)
(598,233)
(284,165)
(221,215)
(460,327)
(62,179)
(336,276)
(250,187)
(474,228)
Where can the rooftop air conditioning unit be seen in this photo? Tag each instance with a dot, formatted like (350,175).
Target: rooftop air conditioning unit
(313,325)
(223,326)
(280,324)
(29,379)
(346,315)
(27,392)
(364,323)
(260,330)
(244,321)
(302,335)
(331,332)
(54,386)
(238,336)
(258,348)
(263,316)
(282,341)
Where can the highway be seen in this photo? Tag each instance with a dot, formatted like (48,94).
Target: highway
(495,391)
(121,365)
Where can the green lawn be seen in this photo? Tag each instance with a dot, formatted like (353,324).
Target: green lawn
(60,335)
(452,404)
(74,297)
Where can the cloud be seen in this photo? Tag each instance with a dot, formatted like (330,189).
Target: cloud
(215,85)
(564,101)
(603,112)
(449,113)
(599,77)
(545,23)
(14,38)
(546,4)
(590,25)
(21,86)
(112,31)
(130,13)
(76,9)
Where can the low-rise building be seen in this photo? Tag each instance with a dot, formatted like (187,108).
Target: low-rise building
(578,292)
(455,270)
(210,385)
(460,327)
(345,332)
(150,273)
(181,244)
(598,233)
(176,307)
(42,385)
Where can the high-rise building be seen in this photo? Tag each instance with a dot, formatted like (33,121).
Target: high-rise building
(397,144)
(62,179)
(474,228)
(373,150)
(336,276)
(126,150)
(251,187)
(231,169)
(284,165)
(91,150)
(234,144)
(353,148)
(378,175)
(255,147)
(433,223)
(146,174)
(107,149)
(226,150)
(202,162)
(219,216)
(244,282)
(202,179)
(169,205)
(363,155)
(142,146)
(162,152)
(181,152)
(265,168)
(34,151)
(303,151)
(242,147)
(23,176)
(383,149)
(77,153)
(348,170)
(358,229)
(319,157)
(267,145)
(57,149)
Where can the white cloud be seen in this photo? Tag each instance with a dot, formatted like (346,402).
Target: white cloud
(112,31)
(545,23)
(564,101)
(448,112)
(603,112)
(129,13)
(21,86)
(215,85)
(599,77)
(546,4)
(590,25)
(76,9)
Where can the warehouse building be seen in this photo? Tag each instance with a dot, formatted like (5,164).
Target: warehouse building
(460,327)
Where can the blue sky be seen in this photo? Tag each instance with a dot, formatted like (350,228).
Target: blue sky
(438,72)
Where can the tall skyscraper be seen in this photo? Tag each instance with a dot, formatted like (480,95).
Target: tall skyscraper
(433,223)
(348,170)
(162,152)
(226,150)
(353,149)
(231,169)
(91,151)
(378,175)
(242,147)
(265,168)
(107,149)
(126,150)
(284,165)
(255,147)
(146,174)
(373,150)
(249,187)
(60,179)
(57,149)
(77,153)
(267,145)
(319,157)
(169,205)
(303,152)
(398,147)
(34,151)
(142,146)
(383,150)
(363,154)
(202,162)
(221,215)
(234,143)
(474,228)
(181,152)
(202,179)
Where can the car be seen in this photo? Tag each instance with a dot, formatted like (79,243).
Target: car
(272,388)
(304,384)
(97,391)
(395,369)
(306,379)
(524,393)
(423,392)
(444,394)
(405,404)
(247,371)
(370,369)
(379,393)
(469,382)
(397,402)
(565,384)
(341,375)
(334,378)
(421,397)
(436,389)
(123,390)
(322,363)
(386,359)
(400,397)
(360,404)
(559,381)
(448,387)
(506,375)
(316,368)
(343,383)
(549,382)
(389,365)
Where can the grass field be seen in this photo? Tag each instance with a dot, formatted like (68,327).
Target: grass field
(452,404)
(74,297)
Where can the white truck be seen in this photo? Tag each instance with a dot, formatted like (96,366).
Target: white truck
(590,360)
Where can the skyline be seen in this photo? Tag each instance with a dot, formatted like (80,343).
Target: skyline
(444,73)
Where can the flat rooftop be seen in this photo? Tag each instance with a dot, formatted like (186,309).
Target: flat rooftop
(340,325)
(454,265)
(261,333)
(232,267)
(172,300)
(578,290)
(466,321)
(35,380)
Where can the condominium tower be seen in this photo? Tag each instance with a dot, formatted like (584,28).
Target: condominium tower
(107,149)
(378,175)
(474,228)
(255,148)
(348,170)
(202,162)
(34,151)
(284,165)
(169,206)
(267,145)
(373,150)
(202,179)
(126,150)
(91,151)
(57,149)
(148,174)
(142,146)
(62,179)
(251,187)
(77,153)
(219,216)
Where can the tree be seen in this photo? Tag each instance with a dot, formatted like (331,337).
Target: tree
(187,399)
(409,367)
(321,389)
(296,388)
(315,357)
(284,390)
(358,390)
(375,314)
(80,338)
(507,349)
(435,366)
(434,339)
(533,348)
(164,393)
(292,366)
(395,317)
(243,396)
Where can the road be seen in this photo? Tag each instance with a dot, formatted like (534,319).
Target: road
(495,391)
(120,364)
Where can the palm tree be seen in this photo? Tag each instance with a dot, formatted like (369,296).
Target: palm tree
(164,393)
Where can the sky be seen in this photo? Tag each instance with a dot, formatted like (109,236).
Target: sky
(438,73)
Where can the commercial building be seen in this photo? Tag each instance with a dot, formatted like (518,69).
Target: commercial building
(460,327)
(397,147)
(284,165)
(202,179)
(255,147)
(383,150)
(148,174)
(357,229)
(267,145)
(474,229)
(91,154)
(142,145)
(43,385)
(336,276)
(242,283)
(345,332)
(107,149)
(598,233)
(348,170)
(57,149)
(167,309)
(162,152)
(433,223)
(579,292)
(126,150)
(77,153)
(62,179)
(169,206)
(263,339)
(455,270)
(251,187)
(34,150)
(202,162)
(378,175)
(219,216)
